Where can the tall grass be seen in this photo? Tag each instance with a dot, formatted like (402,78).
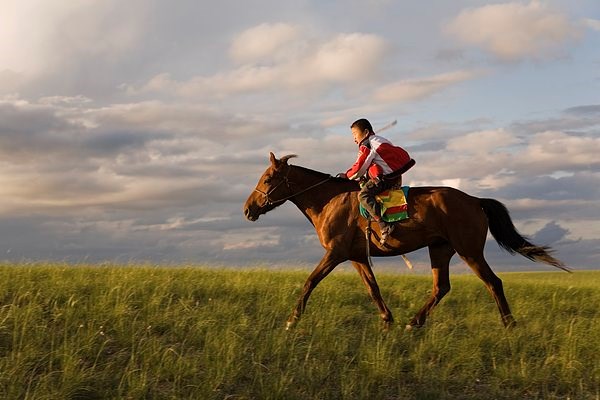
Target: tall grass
(190,333)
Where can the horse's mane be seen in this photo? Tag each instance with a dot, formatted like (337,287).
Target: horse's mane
(323,175)
(316,174)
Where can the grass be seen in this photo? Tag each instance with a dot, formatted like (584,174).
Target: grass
(77,332)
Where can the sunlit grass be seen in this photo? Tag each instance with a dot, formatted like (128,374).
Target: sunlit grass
(149,332)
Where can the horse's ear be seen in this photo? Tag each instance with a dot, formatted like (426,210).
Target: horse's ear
(274,161)
(285,159)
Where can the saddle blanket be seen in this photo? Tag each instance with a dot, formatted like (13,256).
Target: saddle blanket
(394,206)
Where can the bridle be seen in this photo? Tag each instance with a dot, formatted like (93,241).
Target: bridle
(288,183)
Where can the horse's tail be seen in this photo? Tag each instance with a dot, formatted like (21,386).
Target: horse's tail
(507,236)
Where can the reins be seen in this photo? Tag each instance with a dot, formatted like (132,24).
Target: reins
(288,185)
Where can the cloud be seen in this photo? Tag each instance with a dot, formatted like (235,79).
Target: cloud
(264,41)
(515,31)
(488,142)
(262,238)
(579,186)
(315,64)
(575,119)
(139,156)
(552,150)
(518,156)
(64,44)
(588,110)
(418,89)
(346,57)
(593,24)
(28,130)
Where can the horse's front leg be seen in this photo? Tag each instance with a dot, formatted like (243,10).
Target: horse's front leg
(368,278)
(326,265)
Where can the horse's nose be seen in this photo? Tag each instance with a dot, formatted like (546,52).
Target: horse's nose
(248,215)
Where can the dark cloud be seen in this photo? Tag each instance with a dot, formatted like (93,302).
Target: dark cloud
(578,186)
(427,147)
(550,234)
(582,117)
(60,238)
(29,120)
(27,132)
(589,110)
(115,142)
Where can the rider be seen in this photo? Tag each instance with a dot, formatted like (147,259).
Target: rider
(377,157)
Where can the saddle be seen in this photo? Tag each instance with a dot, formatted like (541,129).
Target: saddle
(394,204)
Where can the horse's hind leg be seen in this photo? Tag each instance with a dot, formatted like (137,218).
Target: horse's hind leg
(368,277)
(440,255)
(494,285)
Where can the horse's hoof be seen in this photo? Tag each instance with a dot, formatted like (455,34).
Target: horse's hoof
(412,328)
(510,325)
(290,325)
(387,326)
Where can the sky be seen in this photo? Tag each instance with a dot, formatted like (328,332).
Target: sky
(134,131)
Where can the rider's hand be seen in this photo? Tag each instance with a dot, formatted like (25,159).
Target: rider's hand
(342,175)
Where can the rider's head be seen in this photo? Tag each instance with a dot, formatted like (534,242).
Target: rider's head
(361,128)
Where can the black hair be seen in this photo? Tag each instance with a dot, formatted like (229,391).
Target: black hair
(362,124)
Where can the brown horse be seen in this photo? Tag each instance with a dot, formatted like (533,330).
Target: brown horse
(444,219)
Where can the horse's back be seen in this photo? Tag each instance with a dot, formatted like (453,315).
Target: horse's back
(456,215)
(444,197)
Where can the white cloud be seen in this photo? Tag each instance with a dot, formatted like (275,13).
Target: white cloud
(309,64)
(261,237)
(515,31)
(78,100)
(417,89)
(262,42)
(498,158)
(489,141)
(553,150)
(592,23)
(344,58)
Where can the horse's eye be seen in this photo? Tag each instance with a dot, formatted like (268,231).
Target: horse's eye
(268,180)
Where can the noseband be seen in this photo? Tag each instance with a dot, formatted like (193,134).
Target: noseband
(269,201)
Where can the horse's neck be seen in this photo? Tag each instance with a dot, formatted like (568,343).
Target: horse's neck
(315,191)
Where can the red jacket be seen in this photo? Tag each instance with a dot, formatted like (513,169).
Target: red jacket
(379,157)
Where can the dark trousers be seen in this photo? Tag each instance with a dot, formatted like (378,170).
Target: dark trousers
(367,194)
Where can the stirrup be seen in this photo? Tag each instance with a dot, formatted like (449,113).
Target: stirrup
(385,233)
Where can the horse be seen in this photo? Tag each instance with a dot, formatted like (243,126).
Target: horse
(445,220)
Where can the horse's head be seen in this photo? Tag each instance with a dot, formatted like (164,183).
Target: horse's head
(272,189)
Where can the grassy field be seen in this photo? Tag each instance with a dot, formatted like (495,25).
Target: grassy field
(76,332)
